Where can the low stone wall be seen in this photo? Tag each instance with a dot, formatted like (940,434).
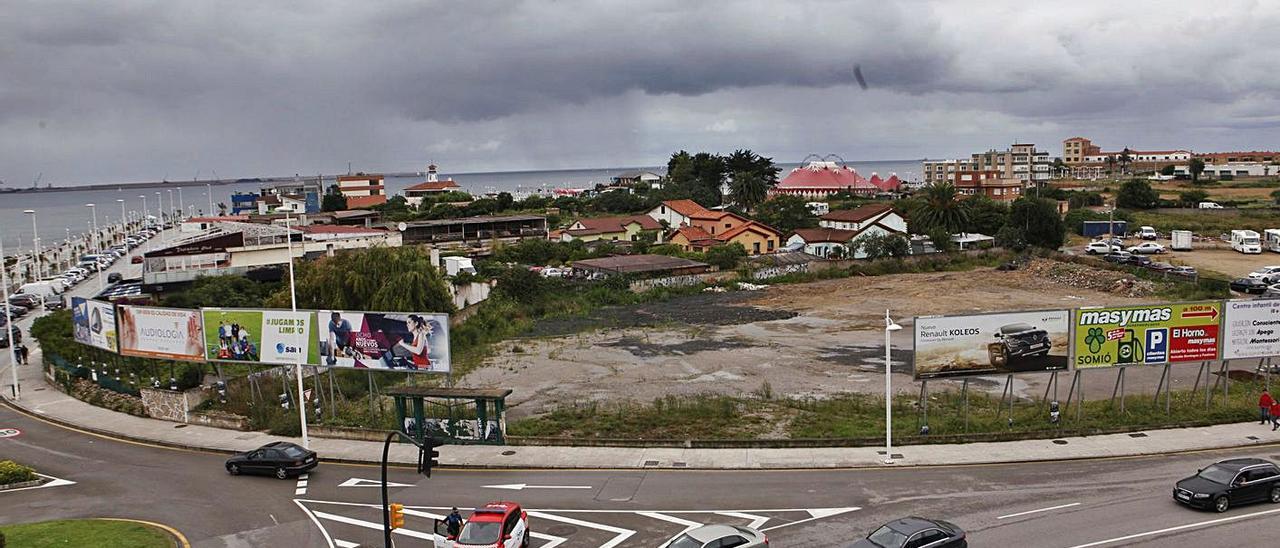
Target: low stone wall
(218,420)
(640,286)
(171,406)
(775,271)
(346,433)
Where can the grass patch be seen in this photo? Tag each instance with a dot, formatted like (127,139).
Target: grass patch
(86,532)
(669,417)
(1205,222)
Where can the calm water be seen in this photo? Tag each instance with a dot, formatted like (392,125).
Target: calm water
(61,213)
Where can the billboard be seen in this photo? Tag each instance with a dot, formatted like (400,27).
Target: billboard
(264,336)
(384,340)
(1146,335)
(990,344)
(94,323)
(1251,329)
(167,333)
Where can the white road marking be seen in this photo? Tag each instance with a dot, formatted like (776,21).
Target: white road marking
(302,485)
(523,486)
(1178,528)
(328,539)
(54,482)
(345,544)
(756,521)
(361,482)
(688,525)
(622,534)
(273,519)
(1061,506)
(372,525)
(817,513)
(552,540)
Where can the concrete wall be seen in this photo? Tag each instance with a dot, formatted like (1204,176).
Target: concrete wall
(640,286)
(465,295)
(169,405)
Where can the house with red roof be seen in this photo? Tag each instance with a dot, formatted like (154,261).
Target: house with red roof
(837,242)
(821,179)
(433,186)
(625,228)
(863,216)
(757,238)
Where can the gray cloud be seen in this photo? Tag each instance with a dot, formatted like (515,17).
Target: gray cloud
(138,90)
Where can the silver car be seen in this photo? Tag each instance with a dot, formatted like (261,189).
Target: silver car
(726,536)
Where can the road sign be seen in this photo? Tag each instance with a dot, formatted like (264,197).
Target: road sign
(10,432)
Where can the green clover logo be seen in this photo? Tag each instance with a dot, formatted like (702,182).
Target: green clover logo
(1094,339)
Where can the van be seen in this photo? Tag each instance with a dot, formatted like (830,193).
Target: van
(1210,205)
(1180,240)
(1148,233)
(1246,241)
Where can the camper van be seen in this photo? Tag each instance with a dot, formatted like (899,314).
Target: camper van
(1210,205)
(1271,239)
(1246,241)
(1180,240)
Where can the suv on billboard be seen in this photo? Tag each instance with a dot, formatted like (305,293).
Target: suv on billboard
(1018,340)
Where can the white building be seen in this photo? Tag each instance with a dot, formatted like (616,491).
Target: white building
(867,215)
(1251,169)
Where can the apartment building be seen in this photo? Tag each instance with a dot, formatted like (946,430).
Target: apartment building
(362,190)
(1080,151)
(1021,161)
(989,183)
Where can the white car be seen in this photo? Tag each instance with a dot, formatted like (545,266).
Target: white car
(1147,248)
(1268,274)
(1100,248)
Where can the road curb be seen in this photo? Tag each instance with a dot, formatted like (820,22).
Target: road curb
(901,464)
(176,534)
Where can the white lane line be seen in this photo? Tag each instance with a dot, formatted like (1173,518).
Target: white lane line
(688,525)
(552,540)
(814,512)
(328,539)
(1059,507)
(622,534)
(372,525)
(817,514)
(53,482)
(299,491)
(756,521)
(345,544)
(1178,528)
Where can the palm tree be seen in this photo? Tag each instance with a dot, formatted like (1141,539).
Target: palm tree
(941,208)
(748,190)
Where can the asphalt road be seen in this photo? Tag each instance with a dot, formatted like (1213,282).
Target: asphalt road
(1067,504)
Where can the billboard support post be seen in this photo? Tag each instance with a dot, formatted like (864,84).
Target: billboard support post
(1226,380)
(1053,385)
(1080,397)
(964,394)
(1007,393)
(1164,376)
(922,419)
(1117,390)
(1168,389)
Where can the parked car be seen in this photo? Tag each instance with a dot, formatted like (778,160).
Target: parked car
(1269,274)
(1100,248)
(30,302)
(15,311)
(280,459)
(1138,260)
(1148,233)
(500,524)
(1223,484)
(913,532)
(1015,341)
(114,278)
(1117,257)
(1183,270)
(709,536)
(137,259)
(4,336)
(1251,286)
(1147,248)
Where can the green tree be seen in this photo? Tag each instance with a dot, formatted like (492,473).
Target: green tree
(521,285)
(1168,170)
(505,201)
(881,245)
(940,208)
(392,279)
(1137,194)
(222,291)
(1275,196)
(942,240)
(1189,198)
(726,257)
(786,213)
(748,189)
(985,216)
(1012,237)
(1196,167)
(1039,222)
(619,201)
(333,200)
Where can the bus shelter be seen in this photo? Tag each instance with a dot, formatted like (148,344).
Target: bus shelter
(454,415)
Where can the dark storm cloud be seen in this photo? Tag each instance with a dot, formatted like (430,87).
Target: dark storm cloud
(130,89)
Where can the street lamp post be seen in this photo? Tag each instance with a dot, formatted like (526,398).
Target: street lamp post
(35,244)
(182,204)
(8,320)
(172,209)
(208,191)
(97,248)
(293,304)
(889,327)
(124,220)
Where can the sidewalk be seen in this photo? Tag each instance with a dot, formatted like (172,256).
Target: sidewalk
(47,402)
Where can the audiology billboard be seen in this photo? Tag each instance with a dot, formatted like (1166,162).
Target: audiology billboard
(1146,335)
(990,344)
(1251,329)
(94,323)
(264,336)
(167,333)
(384,340)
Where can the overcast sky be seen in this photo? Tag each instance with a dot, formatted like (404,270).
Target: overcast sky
(127,90)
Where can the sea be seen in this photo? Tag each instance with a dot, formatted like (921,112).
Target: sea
(63,214)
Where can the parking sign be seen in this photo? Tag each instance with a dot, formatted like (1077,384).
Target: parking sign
(1157,346)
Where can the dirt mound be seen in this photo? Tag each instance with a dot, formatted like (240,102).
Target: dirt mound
(1084,277)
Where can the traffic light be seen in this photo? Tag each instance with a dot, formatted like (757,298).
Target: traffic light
(428,456)
(397,515)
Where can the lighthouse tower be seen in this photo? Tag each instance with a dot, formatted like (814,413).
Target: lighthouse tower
(431,173)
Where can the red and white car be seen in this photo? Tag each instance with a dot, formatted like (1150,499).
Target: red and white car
(499,524)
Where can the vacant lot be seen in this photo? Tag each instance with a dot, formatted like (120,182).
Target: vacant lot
(815,339)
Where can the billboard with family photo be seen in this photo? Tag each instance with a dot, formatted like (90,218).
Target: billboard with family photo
(166,333)
(262,336)
(991,344)
(94,323)
(403,341)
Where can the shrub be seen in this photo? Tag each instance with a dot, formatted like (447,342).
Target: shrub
(12,472)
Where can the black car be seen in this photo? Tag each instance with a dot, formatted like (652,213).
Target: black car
(280,459)
(4,335)
(915,532)
(1137,260)
(1117,257)
(1017,340)
(25,300)
(1230,482)
(1251,286)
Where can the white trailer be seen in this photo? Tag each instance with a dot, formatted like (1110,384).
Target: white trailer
(1246,241)
(1271,239)
(1180,240)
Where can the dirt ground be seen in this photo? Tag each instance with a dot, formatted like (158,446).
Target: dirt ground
(814,339)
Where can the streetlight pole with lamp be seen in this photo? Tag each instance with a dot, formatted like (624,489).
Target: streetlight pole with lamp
(35,245)
(182,204)
(889,327)
(293,304)
(97,249)
(208,191)
(124,221)
(8,321)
